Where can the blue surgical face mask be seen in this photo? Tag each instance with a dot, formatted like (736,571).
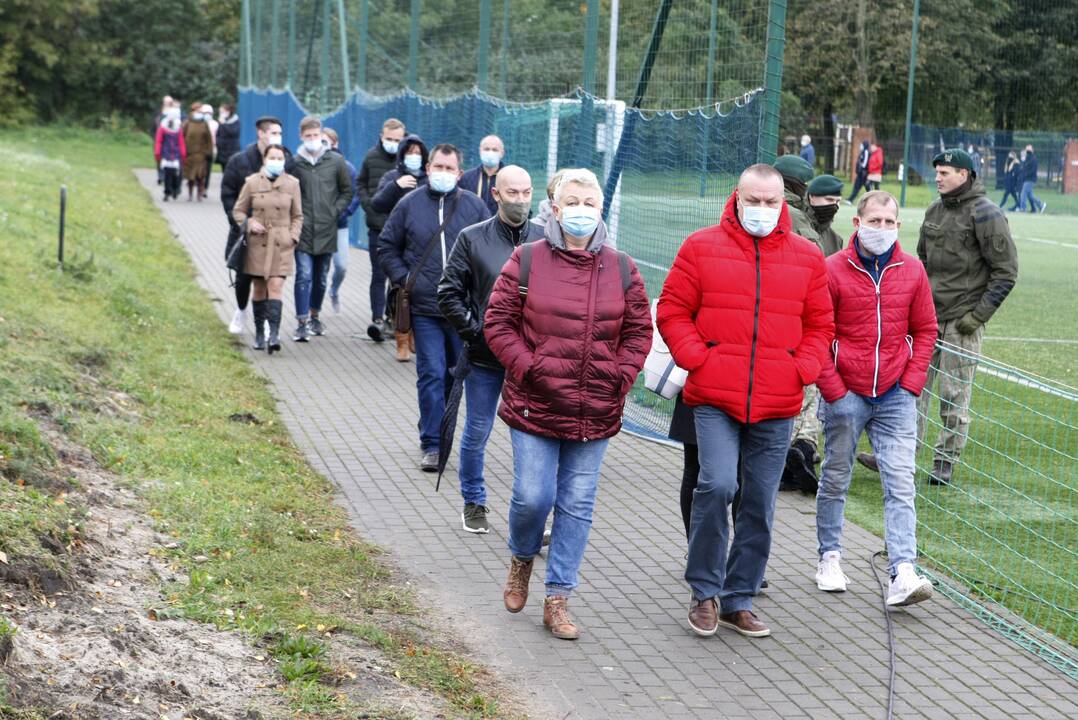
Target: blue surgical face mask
(442,182)
(413,163)
(313,146)
(274,167)
(490,158)
(759,221)
(579,220)
(196,116)
(390,146)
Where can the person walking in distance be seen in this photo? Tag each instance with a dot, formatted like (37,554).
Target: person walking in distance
(340,258)
(198,140)
(170,152)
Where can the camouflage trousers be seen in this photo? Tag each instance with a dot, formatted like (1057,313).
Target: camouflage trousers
(807,424)
(954,366)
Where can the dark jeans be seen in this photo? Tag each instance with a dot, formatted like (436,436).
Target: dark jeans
(860,182)
(1009,192)
(690,477)
(310,287)
(172,182)
(437,347)
(378,277)
(482,389)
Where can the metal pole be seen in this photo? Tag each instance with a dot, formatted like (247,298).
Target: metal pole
(346,72)
(611,88)
(591,43)
(909,101)
(484,45)
(274,30)
(505,50)
(63,216)
(361,65)
(258,44)
(709,93)
(246,33)
(291,43)
(413,46)
(776,48)
(325,54)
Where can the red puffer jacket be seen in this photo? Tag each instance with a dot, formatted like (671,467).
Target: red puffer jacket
(749,318)
(885,333)
(573,350)
(875,161)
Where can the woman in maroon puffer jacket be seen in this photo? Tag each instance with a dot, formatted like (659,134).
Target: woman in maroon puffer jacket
(572,336)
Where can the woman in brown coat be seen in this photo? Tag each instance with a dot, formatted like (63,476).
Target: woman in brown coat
(198,140)
(270,204)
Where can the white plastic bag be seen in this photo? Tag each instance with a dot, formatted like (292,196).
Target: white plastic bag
(661,374)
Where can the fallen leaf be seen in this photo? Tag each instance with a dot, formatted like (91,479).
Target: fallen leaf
(3,558)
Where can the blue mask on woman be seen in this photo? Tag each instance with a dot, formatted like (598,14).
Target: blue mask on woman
(579,220)
(413,162)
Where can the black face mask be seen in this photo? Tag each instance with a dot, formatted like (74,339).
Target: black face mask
(825,213)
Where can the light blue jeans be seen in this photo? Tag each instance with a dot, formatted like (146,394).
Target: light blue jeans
(1028,196)
(558,474)
(482,388)
(892,429)
(340,262)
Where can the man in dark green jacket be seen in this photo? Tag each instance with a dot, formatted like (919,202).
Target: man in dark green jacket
(824,196)
(325,185)
(796,174)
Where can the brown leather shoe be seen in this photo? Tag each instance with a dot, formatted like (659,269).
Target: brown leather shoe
(515,593)
(704,616)
(556,617)
(744,622)
(868,460)
(403,355)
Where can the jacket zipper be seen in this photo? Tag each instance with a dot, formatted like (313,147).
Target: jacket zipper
(441,220)
(593,291)
(879,319)
(755,334)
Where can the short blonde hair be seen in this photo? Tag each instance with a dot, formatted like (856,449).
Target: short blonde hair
(392,124)
(552,183)
(576,176)
(332,135)
(308,123)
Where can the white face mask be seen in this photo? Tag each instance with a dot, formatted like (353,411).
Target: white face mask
(876,241)
(273,139)
(313,146)
(759,221)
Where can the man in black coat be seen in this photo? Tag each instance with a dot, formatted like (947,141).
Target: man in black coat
(417,240)
(239,166)
(228,135)
(463,292)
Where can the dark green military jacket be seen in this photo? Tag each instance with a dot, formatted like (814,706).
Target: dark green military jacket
(967,249)
(830,241)
(801,224)
(325,188)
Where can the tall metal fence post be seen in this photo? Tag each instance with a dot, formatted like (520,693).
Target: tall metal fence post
(245,42)
(909,102)
(361,63)
(346,72)
(257,66)
(483,68)
(709,94)
(324,67)
(776,48)
(275,28)
(504,80)
(413,47)
(591,46)
(291,43)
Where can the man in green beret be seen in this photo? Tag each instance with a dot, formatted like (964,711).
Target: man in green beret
(824,196)
(972,264)
(796,174)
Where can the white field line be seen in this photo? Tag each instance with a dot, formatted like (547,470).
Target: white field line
(1028,382)
(1008,338)
(1072,246)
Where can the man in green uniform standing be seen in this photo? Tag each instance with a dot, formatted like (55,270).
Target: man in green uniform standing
(972,264)
(824,196)
(796,174)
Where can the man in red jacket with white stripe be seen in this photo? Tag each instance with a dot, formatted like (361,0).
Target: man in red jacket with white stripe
(885,331)
(745,310)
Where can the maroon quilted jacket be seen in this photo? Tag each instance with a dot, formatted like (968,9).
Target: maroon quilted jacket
(573,349)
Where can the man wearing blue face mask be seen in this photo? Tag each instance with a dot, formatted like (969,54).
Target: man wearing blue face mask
(413,248)
(480,179)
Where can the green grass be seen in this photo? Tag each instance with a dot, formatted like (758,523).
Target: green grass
(277,556)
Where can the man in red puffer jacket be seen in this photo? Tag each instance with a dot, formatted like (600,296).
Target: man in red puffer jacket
(745,310)
(885,331)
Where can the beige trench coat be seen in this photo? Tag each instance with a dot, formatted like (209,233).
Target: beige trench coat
(275,204)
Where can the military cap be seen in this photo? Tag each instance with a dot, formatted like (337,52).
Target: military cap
(825,185)
(956,158)
(795,167)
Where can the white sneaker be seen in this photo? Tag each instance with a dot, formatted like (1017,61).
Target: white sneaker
(829,575)
(236,326)
(908,587)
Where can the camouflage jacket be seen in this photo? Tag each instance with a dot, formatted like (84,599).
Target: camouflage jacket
(799,220)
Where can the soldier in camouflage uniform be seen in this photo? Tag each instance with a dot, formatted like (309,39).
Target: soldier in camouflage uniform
(796,174)
(824,196)
(967,249)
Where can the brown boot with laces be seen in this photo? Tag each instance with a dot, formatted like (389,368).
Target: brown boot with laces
(515,593)
(556,617)
(403,355)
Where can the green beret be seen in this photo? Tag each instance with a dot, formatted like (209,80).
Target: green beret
(795,167)
(825,185)
(955,157)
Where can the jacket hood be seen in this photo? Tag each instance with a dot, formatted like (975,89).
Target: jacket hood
(407,142)
(732,224)
(556,239)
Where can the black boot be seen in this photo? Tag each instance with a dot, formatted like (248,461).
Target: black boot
(273,314)
(259,308)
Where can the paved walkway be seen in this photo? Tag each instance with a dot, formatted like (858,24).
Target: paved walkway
(352,410)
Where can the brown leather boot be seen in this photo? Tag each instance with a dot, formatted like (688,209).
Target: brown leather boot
(411,341)
(556,617)
(403,355)
(515,593)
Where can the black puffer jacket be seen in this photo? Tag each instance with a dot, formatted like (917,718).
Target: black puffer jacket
(376,163)
(389,193)
(475,263)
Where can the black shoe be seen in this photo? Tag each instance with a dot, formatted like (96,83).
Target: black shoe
(302,334)
(316,327)
(376,331)
(800,467)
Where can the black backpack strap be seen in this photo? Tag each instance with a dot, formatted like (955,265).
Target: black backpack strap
(525,269)
(626,271)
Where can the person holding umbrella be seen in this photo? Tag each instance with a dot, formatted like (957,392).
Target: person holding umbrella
(474,264)
(568,318)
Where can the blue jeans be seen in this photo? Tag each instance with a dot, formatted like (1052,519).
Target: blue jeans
(310,288)
(1027,194)
(378,277)
(559,474)
(437,347)
(892,429)
(762,446)
(340,262)
(482,388)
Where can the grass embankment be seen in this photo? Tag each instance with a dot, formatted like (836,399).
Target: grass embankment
(256,532)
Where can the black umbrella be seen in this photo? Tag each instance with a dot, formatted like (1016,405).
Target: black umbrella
(449,419)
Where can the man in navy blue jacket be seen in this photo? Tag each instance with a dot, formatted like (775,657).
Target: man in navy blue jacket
(430,216)
(1029,179)
(480,179)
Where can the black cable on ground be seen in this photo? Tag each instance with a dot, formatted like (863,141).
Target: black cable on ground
(890,634)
